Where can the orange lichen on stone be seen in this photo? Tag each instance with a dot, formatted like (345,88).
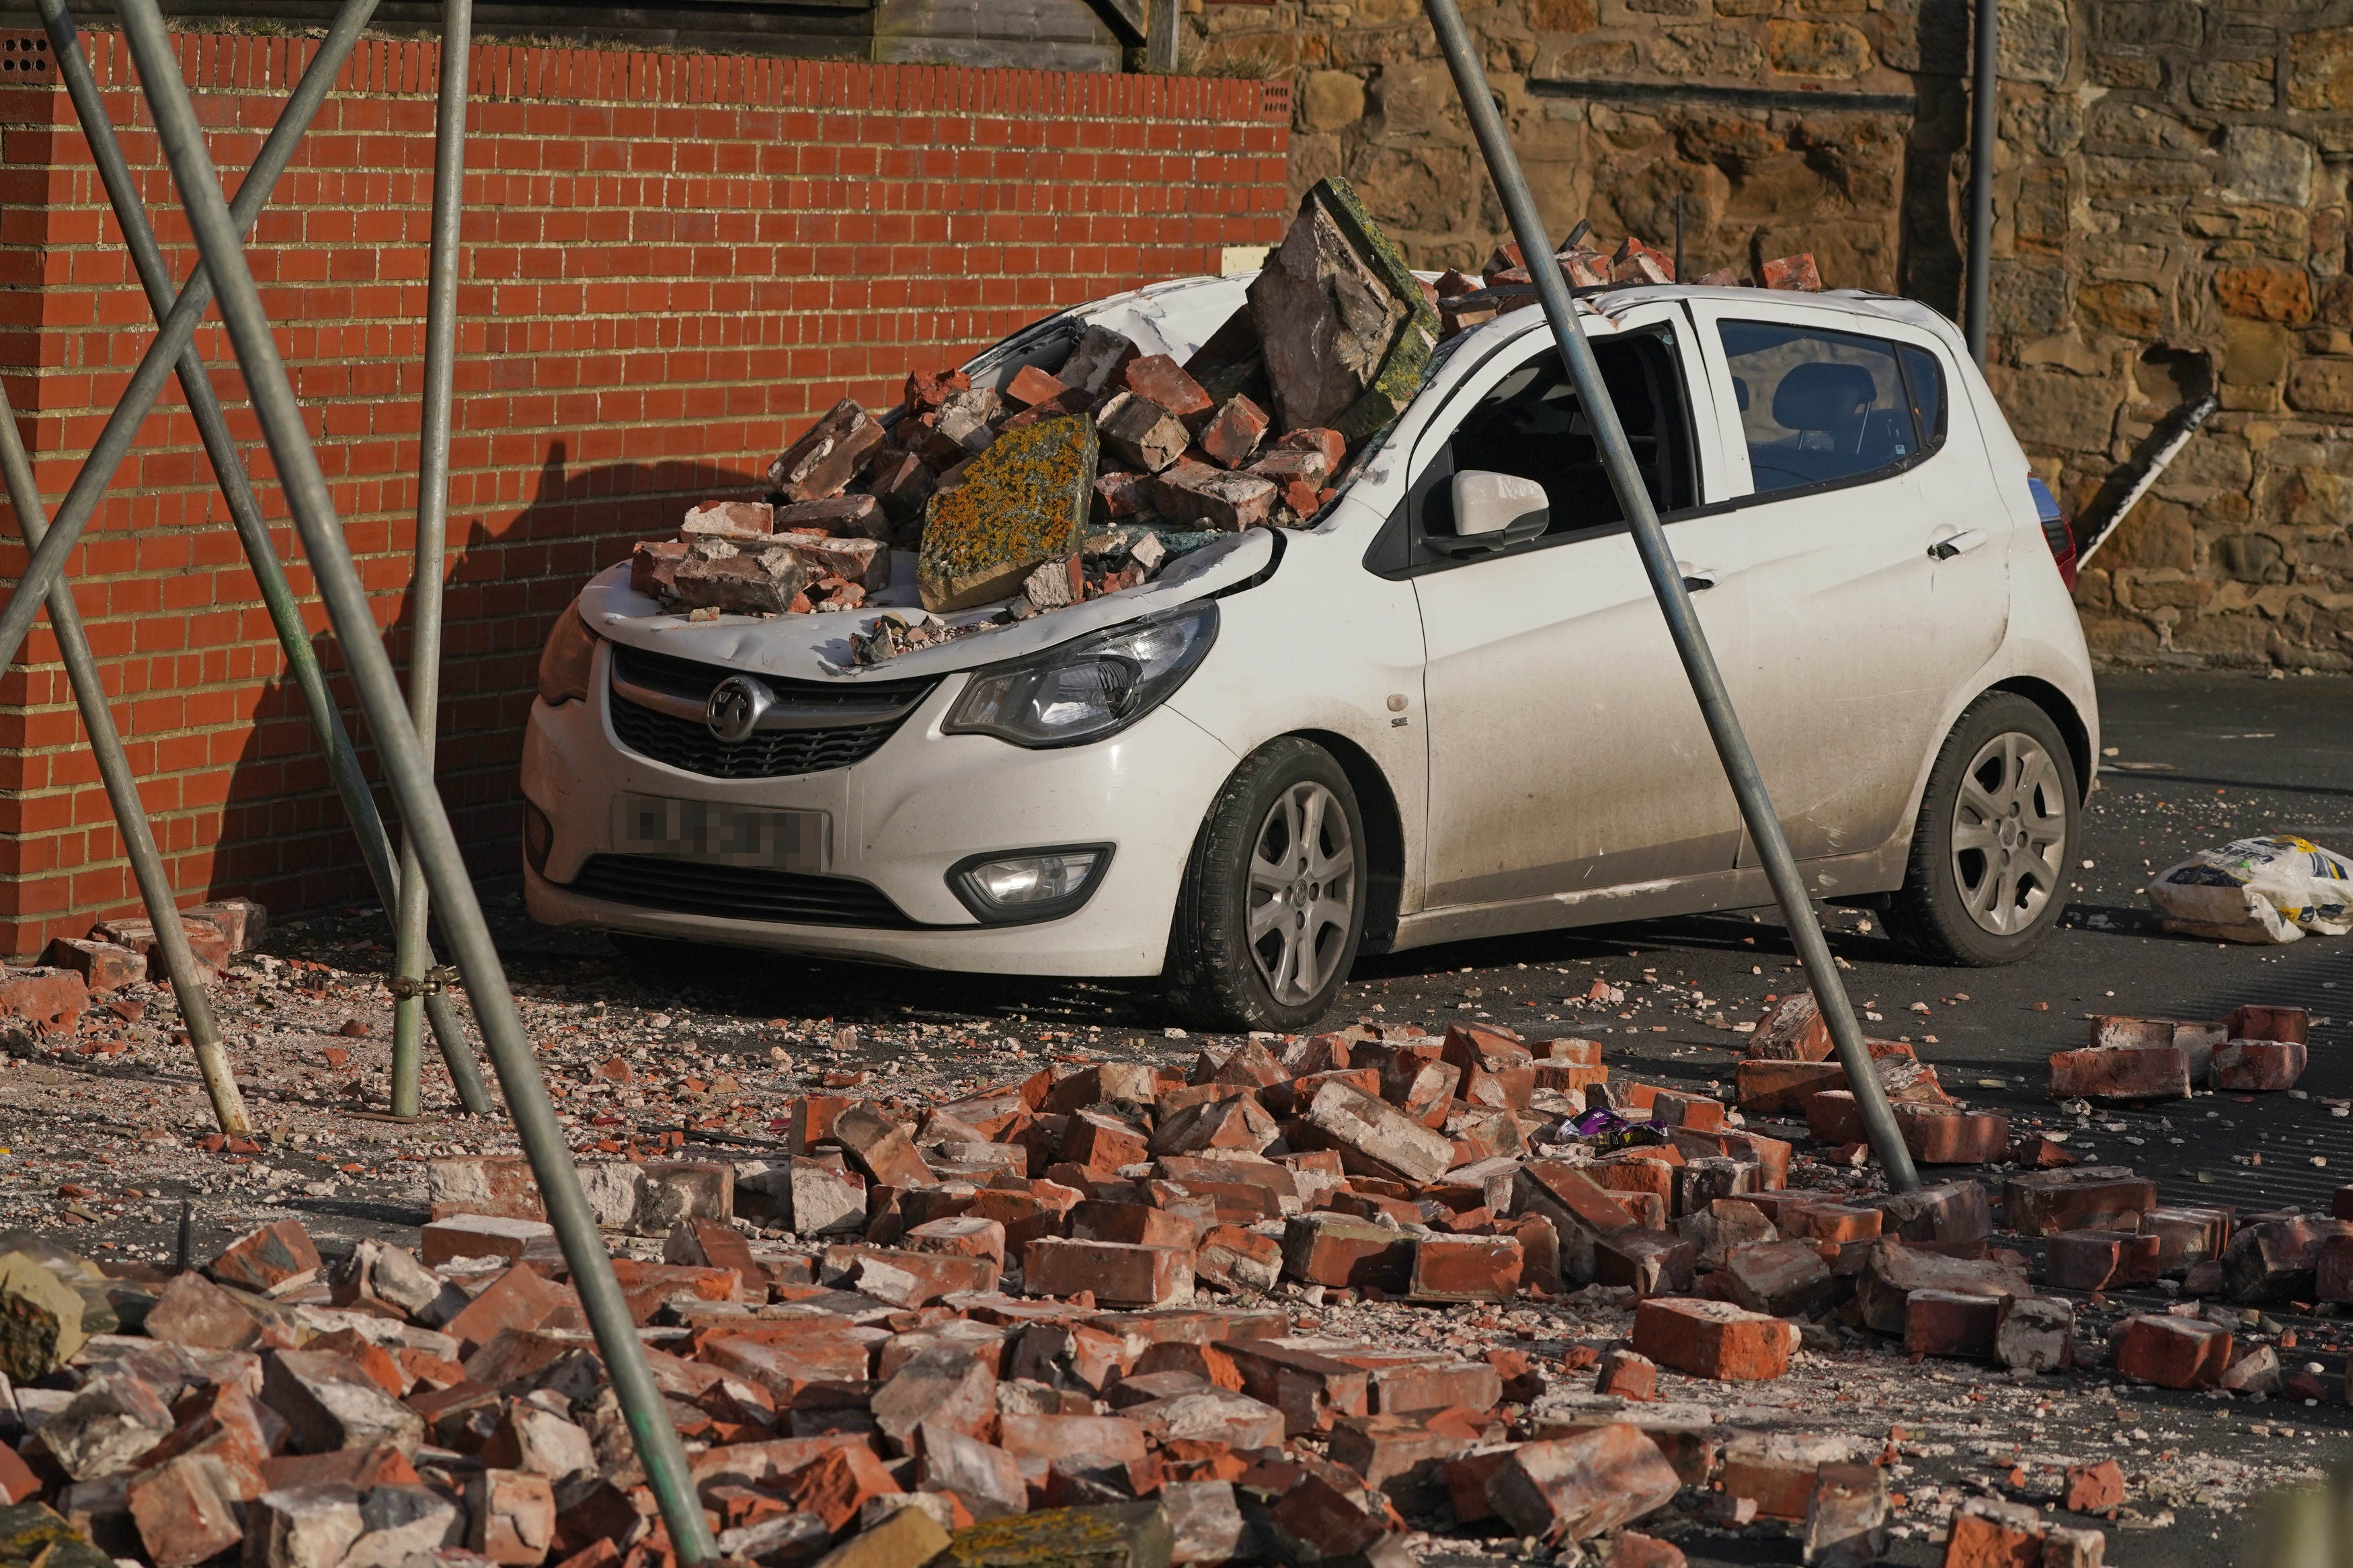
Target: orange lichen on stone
(1022,503)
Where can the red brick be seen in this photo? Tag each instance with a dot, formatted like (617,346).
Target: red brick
(1699,1112)
(1156,378)
(2095,1489)
(1791,272)
(1465,1268)
(1767,1086)
(1632,1548)
(1949,1324)
(1649,1262)
(2100,1259)
(2173,1353)
(2256,1022)
(1982,1538)
(2160,1072)
(1939,1136)
(2257,1065)
(1713,1338)
(1231,437)
(1119,1274)
(1575,1487)
(267,1258)
(1628,1375)
(2087,1196)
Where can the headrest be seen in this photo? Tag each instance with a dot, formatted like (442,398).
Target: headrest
(1821,397)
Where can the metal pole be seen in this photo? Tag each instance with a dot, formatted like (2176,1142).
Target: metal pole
(412,952)
(1674,599)
(1984,106)
(163,350)
(122,793)
(237,487)
(312,504)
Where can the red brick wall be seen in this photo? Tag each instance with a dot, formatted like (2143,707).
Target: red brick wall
(671,262)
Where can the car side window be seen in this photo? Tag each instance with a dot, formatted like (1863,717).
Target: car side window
(1529,424)
(1820,407)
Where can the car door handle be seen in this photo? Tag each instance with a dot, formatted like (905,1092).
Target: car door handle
(1952,544)
(1697,579)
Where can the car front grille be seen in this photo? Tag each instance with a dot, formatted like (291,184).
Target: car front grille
(735,892)
(687,743)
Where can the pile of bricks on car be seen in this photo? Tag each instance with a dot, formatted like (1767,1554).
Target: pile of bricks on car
(1466,299)
(1075,1317)
(1082,477)
(1088,477)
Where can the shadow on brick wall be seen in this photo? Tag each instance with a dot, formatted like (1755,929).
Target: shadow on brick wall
(284,835)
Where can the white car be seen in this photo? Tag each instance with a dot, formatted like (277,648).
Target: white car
(1449,708)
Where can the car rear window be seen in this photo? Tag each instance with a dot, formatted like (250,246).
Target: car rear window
(1823,408)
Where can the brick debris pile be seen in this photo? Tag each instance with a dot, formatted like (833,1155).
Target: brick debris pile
(1086,1317)
(1088,478)
(1084,476)
(53,994)
(1466,300)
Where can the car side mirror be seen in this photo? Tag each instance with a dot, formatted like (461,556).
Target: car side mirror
(1492,512)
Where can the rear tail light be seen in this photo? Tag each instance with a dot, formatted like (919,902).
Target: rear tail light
(2055,532)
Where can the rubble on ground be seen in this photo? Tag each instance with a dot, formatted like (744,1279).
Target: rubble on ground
(1311,1299)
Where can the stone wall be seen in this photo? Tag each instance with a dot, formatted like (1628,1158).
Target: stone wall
(2170,217)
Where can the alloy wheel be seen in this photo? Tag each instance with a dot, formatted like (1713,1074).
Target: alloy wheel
(2009,833)
(1303,891)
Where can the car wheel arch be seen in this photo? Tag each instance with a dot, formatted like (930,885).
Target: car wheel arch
(2061,711)
(1383,834)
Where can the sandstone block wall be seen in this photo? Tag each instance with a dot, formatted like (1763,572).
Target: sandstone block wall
(2170,206)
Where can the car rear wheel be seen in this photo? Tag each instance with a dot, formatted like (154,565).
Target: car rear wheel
(1274,903)
(2001,816)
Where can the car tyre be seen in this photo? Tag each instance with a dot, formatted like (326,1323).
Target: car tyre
(1999,822)
(1273,908)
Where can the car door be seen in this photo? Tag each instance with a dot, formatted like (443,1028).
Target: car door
(1878,559)
(1566,752)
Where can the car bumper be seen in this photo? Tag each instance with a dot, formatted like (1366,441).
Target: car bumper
(899,820)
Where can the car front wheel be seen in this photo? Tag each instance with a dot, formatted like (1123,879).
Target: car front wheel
(1274,903)
(1998,822)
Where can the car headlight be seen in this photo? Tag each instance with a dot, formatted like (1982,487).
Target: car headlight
(566,661)
(1088,688)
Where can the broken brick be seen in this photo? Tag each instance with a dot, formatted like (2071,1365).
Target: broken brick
(1575,1487)
(2124,1074)
(2257,1066)
(1713,1338)
(2173,1353)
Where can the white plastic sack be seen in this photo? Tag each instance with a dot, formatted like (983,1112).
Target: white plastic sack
(2258,890)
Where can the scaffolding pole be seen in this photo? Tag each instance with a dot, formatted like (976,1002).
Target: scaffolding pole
(237,486)
(412,947)
(426,824)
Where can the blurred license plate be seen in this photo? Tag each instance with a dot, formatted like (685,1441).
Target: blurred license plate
(730,835)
